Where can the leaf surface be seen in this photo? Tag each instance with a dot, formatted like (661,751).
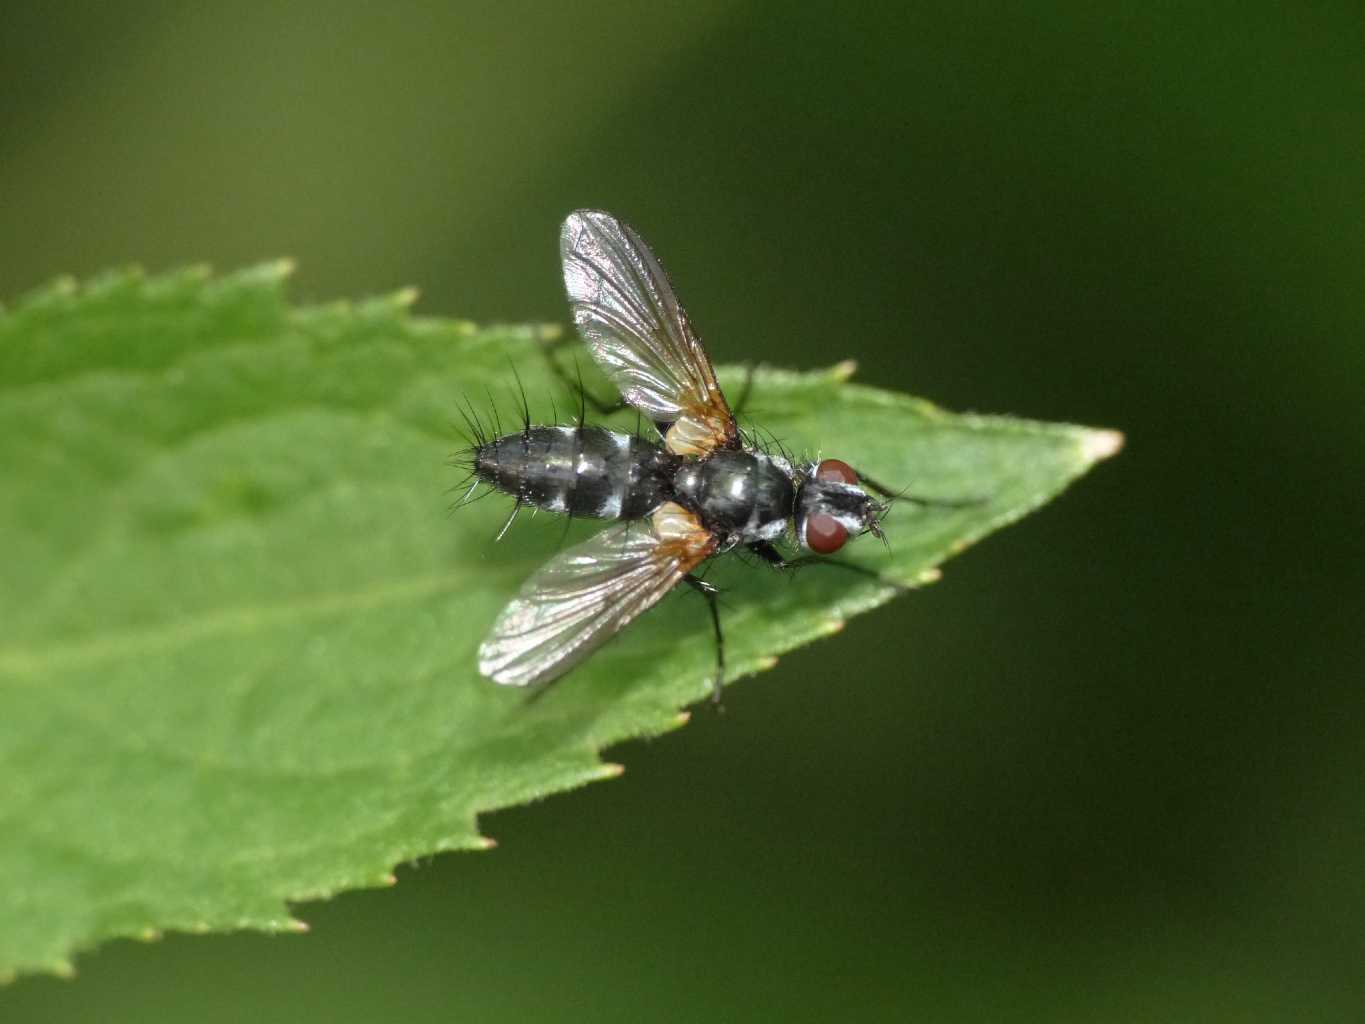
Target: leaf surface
(238,618)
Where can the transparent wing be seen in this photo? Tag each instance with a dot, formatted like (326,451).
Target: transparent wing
(581,598)
(635,328)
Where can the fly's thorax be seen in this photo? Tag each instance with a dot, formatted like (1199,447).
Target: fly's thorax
(743,495)
(578,471)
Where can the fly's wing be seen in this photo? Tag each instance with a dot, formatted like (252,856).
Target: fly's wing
(625,309)
(583,596)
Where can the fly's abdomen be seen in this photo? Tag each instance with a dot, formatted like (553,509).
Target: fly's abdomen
(578,471)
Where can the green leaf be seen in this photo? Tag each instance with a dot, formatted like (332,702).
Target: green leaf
(238,620)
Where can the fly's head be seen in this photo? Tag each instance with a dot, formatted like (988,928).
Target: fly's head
(831,507)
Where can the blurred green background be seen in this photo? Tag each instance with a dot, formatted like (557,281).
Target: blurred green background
(1110,768)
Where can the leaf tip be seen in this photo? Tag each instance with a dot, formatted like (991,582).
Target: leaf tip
(930,575)
(281,268)
(149,934)
(404,298)
(844,370)
(63,969)
(609,770)
(484,843)
(1097,445)
(296,926)
(62,286)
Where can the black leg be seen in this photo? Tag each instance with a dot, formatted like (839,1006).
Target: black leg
(868,484)
(746,389)
(574,382)
(766,551)
(708,591)
(564,534)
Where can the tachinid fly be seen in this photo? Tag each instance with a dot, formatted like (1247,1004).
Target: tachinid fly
(699,491)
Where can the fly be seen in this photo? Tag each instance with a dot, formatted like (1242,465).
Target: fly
(702,489)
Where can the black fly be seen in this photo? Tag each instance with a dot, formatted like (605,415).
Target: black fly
(702,489)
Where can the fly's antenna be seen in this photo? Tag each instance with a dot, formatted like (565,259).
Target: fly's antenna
(874,525)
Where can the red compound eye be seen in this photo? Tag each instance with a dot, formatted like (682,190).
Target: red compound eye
(836,471)
(825,534)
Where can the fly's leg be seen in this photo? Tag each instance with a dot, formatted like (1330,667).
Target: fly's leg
(867,483)
(574,382)
(745,390)
(766,551)
(708,591)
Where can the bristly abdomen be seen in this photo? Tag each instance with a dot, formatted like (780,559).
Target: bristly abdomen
(578,471)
